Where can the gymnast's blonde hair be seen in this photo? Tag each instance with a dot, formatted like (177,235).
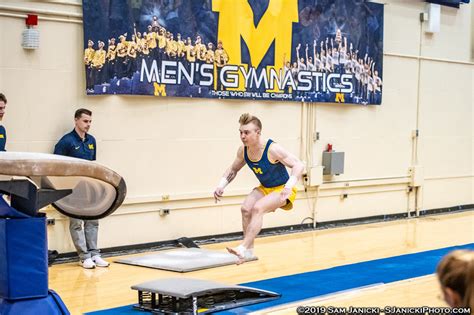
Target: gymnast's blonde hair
(246,119)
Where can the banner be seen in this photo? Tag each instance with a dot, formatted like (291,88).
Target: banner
(293,50)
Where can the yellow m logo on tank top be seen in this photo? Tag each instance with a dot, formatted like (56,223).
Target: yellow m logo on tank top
(91,146)
(257,170)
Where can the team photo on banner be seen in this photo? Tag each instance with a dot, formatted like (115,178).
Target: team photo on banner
(292,50)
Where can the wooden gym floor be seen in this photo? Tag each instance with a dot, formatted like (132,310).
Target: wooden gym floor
(102,288)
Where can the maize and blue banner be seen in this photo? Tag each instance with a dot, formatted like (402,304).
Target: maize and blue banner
(293,50)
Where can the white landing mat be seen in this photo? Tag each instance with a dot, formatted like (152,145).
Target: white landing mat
(184,260)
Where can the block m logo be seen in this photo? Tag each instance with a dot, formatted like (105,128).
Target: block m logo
(160,89)
(257,170)
(236,20)
(340,98)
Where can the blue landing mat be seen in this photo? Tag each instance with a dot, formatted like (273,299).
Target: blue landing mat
(316,283)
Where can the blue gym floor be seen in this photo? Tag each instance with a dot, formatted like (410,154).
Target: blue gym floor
(321,282)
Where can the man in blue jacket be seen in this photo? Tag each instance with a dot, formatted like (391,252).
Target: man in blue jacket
(80,144)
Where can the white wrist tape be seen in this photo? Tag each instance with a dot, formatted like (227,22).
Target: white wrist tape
(223,183)
(291,182)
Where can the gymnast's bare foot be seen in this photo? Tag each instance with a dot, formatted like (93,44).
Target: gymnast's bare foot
(239,252)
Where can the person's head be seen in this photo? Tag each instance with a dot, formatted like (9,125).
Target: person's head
(250,129)
(82,120)
(456,276)
(90,43)
(219,44)
(3,105)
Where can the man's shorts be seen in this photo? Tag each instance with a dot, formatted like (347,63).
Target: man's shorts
(289,201)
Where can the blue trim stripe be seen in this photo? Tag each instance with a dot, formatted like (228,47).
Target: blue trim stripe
(317,283)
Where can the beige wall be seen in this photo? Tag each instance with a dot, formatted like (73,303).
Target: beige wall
(180,147)
(472,31)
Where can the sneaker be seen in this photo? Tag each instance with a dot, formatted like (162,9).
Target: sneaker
(99,262)
(87,264)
